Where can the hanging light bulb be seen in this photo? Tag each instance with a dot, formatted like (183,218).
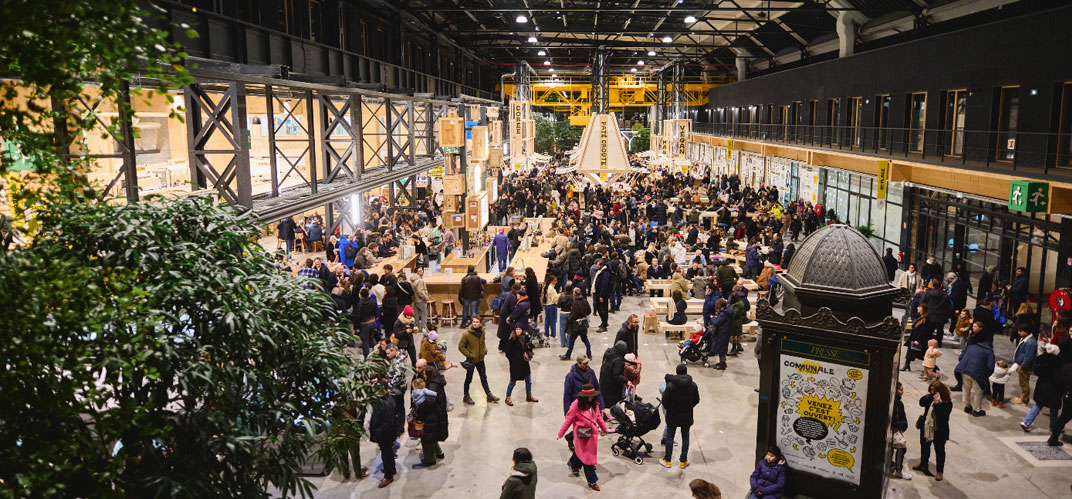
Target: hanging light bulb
(541,53)
(640,63)
(690,19)
(522,19)
(633,70)
(651,53)
(667,39)
(532,39)
(546,63)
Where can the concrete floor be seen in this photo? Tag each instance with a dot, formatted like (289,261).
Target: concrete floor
(482,437)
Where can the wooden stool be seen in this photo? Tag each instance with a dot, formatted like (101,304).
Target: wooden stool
(450,314)
(318,246)
(651,323)
(433,313)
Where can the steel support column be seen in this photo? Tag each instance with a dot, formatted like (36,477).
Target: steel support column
(600,95)
(276,152)
(335,118)
(225,118)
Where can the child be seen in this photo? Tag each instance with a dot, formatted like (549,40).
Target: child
(420,393)
(997,383)
(929,360)
(963,327)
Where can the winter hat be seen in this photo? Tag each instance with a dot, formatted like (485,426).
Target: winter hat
(432,336)
(407,310)
(522,292)
(587,390)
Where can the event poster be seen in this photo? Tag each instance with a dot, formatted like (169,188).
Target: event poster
(820,423)
(809,183)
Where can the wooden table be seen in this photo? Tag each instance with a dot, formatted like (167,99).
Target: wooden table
(460,265)
(659,285)
(397,263)
(665,306)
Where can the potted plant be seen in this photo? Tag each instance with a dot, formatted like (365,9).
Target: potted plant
(866,230)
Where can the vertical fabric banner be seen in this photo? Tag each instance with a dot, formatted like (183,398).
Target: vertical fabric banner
(881,181)
(603,143)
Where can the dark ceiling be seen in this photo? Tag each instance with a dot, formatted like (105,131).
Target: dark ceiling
(570,31)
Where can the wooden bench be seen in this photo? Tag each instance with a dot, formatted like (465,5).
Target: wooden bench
(680,329)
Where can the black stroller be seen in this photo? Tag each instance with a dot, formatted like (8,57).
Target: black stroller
(696,351)
(630,430)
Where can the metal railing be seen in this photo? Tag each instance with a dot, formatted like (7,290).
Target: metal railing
(1016,150)
(231,40)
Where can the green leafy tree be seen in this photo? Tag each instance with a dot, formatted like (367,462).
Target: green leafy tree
(545,134)
(149,349)
(641,138)
(566,135)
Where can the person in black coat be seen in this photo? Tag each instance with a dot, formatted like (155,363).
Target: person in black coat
(890,262)
(937,405)
(612,373)
(518,353)
(519,316)
(986,283)
(505,311)
(628,333)
(939,307)
(679,399)
(720,329)
(384,428)
(930,270)
(899,424)
(436,429)
(776,247)
(923,330)
(601,291)
(787,257)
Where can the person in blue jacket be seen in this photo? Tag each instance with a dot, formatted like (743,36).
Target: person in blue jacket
(343,257)
(711,296)
(768,479)
(976,365)
(751,260)
(501,245)
(1024,362)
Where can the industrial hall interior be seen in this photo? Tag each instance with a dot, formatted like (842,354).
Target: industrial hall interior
(341,249)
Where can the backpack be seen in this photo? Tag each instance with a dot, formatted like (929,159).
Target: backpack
(351,251)
(623,272)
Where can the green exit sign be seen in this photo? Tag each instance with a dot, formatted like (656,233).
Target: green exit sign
(1029,196)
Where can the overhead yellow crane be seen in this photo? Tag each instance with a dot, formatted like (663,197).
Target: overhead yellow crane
(573,93)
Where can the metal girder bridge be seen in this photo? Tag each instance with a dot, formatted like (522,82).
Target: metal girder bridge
(573,94)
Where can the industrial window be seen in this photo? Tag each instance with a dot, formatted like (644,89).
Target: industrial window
(1064,141)
(955,109)
(833,118)
(917,119)
(856,109)
(882,119)
(1009,108)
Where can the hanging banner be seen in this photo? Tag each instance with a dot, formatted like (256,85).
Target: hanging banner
(603,143)
(517,114)
(682,137)
(822,401)
(880,182)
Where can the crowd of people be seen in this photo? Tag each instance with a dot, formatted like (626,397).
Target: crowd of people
(608,243)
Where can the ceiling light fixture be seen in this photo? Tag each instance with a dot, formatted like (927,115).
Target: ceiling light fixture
(632,70)
(690,19)
(651,53)
(532,39)
(546,63)
(522,19)
(640,63)
(667,39)
(541,53)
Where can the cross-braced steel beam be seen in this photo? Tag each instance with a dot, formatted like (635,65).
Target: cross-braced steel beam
(216,131)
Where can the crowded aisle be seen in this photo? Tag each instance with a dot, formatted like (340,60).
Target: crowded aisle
(651,275)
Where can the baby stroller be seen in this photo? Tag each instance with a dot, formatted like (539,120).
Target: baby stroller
(536,336)
(635,418)
(695,348)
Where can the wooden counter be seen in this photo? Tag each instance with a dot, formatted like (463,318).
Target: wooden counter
(460,265)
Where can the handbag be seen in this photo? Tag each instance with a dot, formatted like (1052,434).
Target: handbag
(414,427)
(467,365)
(899,441)
(919,422)
(584,432)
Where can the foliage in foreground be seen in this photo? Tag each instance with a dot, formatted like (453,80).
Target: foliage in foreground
(162,328)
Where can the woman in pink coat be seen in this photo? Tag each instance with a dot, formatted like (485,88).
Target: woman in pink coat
(586,420)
